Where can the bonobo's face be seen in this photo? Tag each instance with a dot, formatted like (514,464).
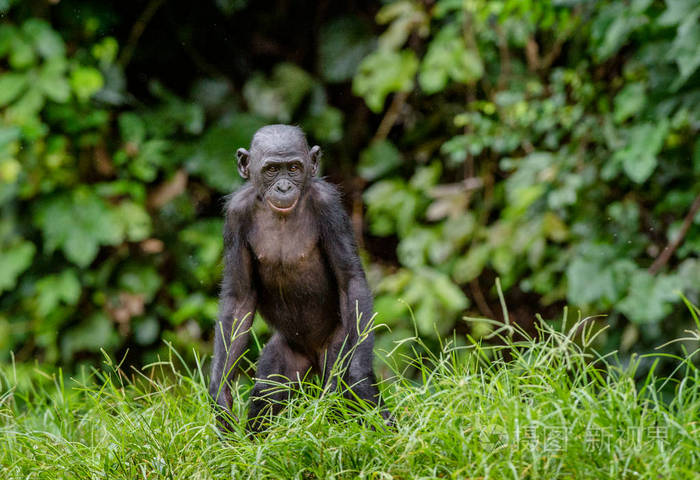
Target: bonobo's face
(282,177)
(279,165)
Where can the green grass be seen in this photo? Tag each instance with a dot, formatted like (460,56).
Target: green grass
(555,409)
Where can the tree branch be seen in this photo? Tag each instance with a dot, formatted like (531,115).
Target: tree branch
(666,254)
(390,116)
(137,30)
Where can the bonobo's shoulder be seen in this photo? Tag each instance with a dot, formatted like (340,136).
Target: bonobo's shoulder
(240,203)
(324,194)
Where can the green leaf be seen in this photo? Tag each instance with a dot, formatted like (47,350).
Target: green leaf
(326,125)
(380,158)
(93,334)
(140,279)
(677,11)
(22,54)
(78,223)
(132,128)
(85,82)
(9,135)
(27,107)
(595,277)
(146,330)
(135,220)
(343,43)
(52,80)
(391,207)
(650,297)
(388,308)
(448,294)
(278,97)
(214,159)
(426,177)
(11,85)
(46,40)
(54,289)
(384,72)
(629,102)
(644,142)
(13,261)
(196,305)
(412,250)
(588,281)
(106,50)
(404,17)
(448,57)
(613,26)
(7,34)
(151,156)
(204,255)
(685,49)
(470,266)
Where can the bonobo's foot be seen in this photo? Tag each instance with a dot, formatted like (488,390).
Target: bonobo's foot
(225,421)
(256,427)
(389,419)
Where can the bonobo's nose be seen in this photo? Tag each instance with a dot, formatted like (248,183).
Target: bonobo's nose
(283,186)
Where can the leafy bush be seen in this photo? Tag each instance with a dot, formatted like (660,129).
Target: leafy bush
(553,145)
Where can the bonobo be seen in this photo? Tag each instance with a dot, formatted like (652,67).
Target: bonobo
(290,253)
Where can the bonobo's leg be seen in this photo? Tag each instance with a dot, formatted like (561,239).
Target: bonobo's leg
(355,368)
(336,350)
(278,364)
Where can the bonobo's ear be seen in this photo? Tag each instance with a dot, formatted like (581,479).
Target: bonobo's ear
(243,161)
(315,154)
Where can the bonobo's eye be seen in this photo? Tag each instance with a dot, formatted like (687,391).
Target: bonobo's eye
(294,168)
(272,169)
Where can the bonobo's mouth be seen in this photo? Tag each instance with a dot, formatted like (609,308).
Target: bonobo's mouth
(283,210)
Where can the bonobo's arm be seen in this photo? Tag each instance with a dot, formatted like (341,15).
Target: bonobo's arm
(237,304)
(339,245)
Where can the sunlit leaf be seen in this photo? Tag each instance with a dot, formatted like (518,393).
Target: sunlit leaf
(54,289)
(629,101)
(46,40)
(13,261)
(650,298)
(384,72)
(380,158)
(85,82)
(448,58)
(278,97)
(11,85)
(644,142)
(140,279)
(78,223)
(135,221)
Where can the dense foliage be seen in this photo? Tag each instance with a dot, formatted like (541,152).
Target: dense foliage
(551,144)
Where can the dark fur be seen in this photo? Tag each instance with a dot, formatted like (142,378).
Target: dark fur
(301,271)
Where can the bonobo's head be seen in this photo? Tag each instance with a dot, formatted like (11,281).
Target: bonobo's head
(279,164)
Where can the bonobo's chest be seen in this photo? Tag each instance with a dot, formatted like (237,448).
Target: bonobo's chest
(285,245)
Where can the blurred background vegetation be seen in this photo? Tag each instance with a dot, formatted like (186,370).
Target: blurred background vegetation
(551,144)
